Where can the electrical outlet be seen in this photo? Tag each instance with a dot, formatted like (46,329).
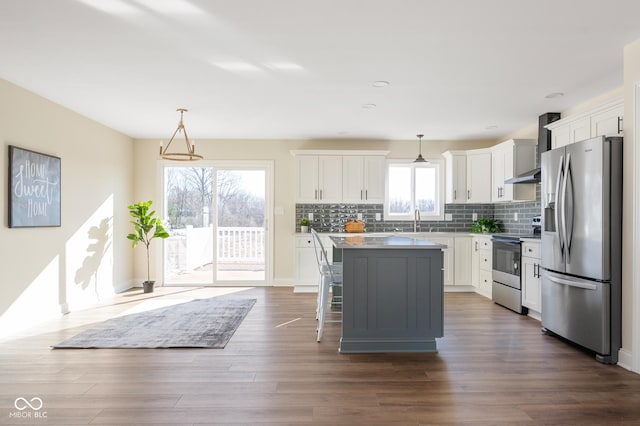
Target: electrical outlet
(515,216)
(310,215)
(359,216)
(474,216)
(378,217)
(448,217)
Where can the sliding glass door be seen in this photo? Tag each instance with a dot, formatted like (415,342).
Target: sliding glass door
(217,216)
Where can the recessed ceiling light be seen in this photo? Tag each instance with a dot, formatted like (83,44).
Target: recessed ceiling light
(368,106)
(554,95)
(491,127)
(380,83)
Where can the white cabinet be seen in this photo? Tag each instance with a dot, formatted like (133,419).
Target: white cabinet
(307,273)
(608,122)
(462,260)
(482,265)
(363,179)
(319,179)
(336,176)
(531,283)
(306,263)
(603,120)
(509,159)
(478,176)
(456,177)
(448,257)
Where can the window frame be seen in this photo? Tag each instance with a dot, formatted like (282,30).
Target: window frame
(438,215)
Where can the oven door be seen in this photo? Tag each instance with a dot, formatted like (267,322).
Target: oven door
(506,262)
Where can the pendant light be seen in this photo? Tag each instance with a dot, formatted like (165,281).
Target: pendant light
(190,154)
(420,158)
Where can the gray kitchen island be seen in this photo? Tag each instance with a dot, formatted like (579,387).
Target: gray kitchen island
(392,296)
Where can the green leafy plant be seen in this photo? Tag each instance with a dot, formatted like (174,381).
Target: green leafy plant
(305,222)
(485,225)
(146,227)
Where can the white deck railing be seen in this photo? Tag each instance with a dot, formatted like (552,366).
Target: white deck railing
(191,248)
(240,245)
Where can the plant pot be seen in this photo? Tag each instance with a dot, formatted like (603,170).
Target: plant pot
(148,286)
(304,229)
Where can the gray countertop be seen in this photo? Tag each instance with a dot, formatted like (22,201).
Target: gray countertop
(362,241)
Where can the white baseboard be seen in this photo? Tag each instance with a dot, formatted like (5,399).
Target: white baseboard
(459,289)
(625,359)
(535,315)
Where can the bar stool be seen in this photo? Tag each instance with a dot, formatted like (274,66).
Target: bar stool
(330,278)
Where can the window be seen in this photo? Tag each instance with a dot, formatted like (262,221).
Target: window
(412,187)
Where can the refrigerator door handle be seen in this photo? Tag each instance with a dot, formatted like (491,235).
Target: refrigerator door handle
(572,283)
(568,199)
(558,204)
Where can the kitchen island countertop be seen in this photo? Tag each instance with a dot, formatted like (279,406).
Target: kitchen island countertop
(361,241)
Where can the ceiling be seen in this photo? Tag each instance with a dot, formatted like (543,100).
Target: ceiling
(297,69)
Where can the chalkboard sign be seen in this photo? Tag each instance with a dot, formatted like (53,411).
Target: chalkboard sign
(34,189)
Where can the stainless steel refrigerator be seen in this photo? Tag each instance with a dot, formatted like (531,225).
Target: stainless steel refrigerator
(581,201)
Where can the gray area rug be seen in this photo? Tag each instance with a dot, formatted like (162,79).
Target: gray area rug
(203,323)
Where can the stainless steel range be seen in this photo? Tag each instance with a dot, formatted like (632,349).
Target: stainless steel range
(507,287)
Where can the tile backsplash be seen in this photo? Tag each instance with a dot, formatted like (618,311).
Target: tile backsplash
(332,217)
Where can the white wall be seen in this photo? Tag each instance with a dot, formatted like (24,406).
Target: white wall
(630,194)
(147,175)
(88,258)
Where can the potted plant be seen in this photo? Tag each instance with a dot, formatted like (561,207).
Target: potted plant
(146,227)
(304,224)
(485,225)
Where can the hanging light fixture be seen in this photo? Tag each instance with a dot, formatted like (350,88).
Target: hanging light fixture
(420,158)
(190,155)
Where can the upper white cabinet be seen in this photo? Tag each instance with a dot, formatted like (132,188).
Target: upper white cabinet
(468,176)
(363,179)
(509,159)
(478,176)
(340,176)
(319,178)
(456,176)
(604,120)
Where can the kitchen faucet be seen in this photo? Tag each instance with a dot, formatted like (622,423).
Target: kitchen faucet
(416,219)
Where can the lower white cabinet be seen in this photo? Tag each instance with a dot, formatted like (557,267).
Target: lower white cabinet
(462,251)
(448,257)
(307,274)
(482,264)
(531,283)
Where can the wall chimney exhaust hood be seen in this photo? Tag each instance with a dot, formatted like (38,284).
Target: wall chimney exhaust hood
(532,176)
(544,145)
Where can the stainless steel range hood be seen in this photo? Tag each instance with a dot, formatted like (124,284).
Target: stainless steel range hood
(544,145)
(532,176)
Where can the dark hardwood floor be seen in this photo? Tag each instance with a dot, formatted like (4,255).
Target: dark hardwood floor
(493,368)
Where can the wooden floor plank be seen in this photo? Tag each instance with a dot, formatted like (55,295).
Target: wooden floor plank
(493,368)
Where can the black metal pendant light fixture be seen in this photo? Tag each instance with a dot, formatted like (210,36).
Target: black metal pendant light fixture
(420,158)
